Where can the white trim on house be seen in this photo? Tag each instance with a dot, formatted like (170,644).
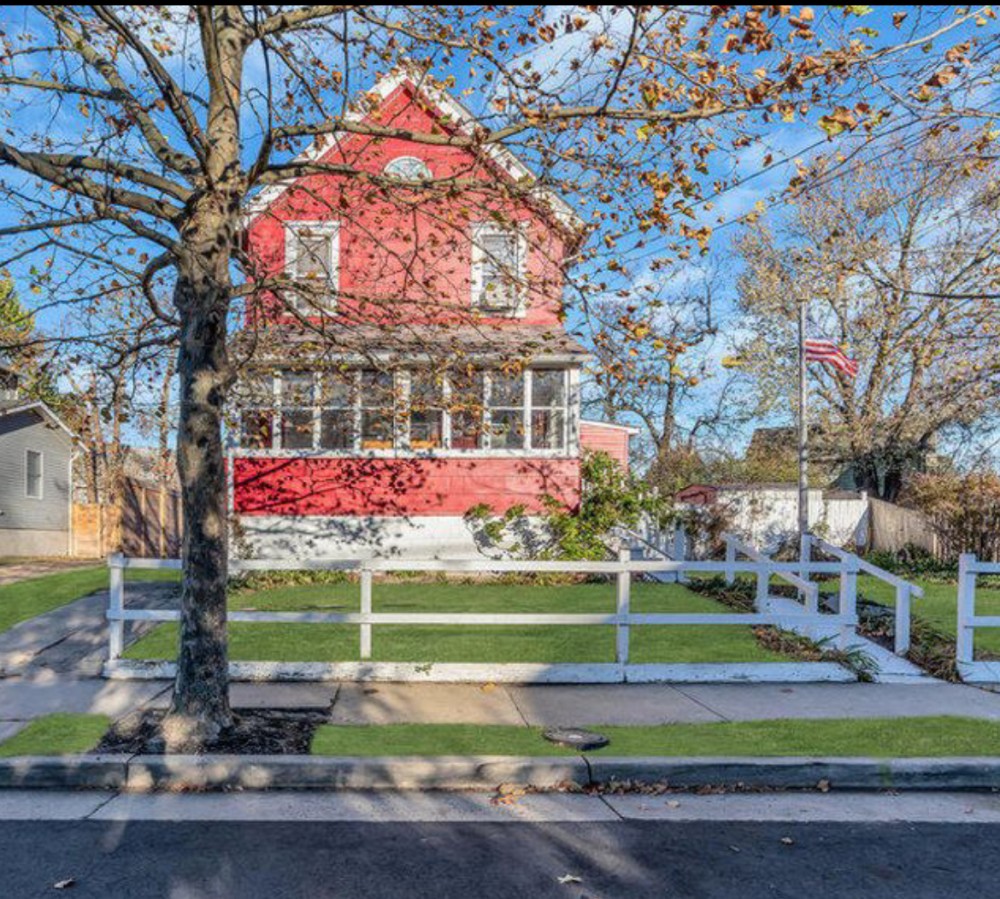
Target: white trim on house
(603,424)
(39,407)
(453,109)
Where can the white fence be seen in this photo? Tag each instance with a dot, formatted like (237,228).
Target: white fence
(623,570)
(969,569)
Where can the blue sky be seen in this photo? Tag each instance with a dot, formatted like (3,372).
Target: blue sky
(756,186)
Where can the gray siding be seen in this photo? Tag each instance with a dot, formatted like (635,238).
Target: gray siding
(20,432)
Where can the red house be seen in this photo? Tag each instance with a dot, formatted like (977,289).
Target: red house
(411,360)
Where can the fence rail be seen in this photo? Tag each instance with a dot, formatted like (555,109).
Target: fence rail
(622,570)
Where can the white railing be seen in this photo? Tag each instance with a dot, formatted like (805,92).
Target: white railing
(905,590)
(969,569)
(623,570)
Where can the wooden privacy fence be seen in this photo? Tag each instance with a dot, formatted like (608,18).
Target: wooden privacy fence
(623,618)
(147,524)
(969,569)
(946,537)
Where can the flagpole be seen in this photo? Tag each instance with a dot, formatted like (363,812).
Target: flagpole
(803,437)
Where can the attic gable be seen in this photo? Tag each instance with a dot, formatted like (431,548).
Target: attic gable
(452,117)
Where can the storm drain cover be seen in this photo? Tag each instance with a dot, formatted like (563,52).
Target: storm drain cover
(576,738)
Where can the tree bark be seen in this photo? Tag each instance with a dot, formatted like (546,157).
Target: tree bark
(200,710)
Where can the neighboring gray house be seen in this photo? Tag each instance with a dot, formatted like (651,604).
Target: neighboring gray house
(36,476)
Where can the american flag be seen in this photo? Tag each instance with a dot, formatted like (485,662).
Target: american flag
(827,352)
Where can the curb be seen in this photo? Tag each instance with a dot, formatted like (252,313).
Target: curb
(150,773)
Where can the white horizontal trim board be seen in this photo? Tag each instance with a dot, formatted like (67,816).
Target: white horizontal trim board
(521,673)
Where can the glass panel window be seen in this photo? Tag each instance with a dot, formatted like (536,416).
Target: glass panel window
(426,409)
(506,410)
(377,409)
(33,474)
(255,398)
(297,401)
(467,409)
(497,269)
(311,260)
(336,425)
(548,409)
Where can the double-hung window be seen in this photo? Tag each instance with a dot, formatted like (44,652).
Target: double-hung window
(498,259)
(312,252)
(297,409)
(506,410)
(427,406)
(378,422)
(465,405)
(33,474)
(548,409)
(337,423)
(256,397)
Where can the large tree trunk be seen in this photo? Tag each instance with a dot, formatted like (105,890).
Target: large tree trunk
(200,707)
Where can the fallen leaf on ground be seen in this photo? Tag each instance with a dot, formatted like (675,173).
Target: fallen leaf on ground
(788,841)
(64,884)
(673,803)
(823,786)
(569,878)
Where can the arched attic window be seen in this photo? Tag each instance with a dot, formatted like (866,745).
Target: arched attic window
(407,168)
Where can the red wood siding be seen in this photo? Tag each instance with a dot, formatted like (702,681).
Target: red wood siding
(392,487)
(610,440)
(407,258)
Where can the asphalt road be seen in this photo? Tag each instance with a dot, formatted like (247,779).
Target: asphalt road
(634,859)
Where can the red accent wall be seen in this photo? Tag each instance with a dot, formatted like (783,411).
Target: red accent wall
(613,441)
(392,487)
(407,259)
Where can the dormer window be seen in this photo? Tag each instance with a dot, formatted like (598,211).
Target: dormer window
(312,255)
(407,168)
(498,263)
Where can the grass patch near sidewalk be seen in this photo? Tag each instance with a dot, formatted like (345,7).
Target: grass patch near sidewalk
(58,734)
(841,737)
(36,596)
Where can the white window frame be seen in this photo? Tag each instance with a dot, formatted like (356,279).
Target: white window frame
(401,427)
(492,229)
(41,474)
(396,160)
(330,230)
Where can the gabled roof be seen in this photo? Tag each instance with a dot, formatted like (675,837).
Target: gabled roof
(11,407)
(459,116)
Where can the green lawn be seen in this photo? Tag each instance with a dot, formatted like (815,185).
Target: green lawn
(58,734)
(551,644)
(939,606)
(26,599)
(878,737)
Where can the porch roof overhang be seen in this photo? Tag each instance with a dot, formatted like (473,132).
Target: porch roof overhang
(416,344)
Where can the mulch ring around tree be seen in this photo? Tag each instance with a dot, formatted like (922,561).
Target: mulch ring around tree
(254,732)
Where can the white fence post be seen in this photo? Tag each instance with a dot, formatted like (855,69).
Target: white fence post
(966,607)
(730,559)
(680,551)
(847,603)
(623,604)
(805,557)
(116,604)
(902,644)
(366,609)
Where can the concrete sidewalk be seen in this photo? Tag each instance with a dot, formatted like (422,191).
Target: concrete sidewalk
(617,704)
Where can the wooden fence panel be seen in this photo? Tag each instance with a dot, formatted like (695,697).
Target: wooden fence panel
(149,524)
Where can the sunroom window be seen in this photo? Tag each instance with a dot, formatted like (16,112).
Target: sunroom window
(426,409)
(466,408)
(548,409)
(256,397)
(337,416)
(377,409)
(297,405)
(506,408)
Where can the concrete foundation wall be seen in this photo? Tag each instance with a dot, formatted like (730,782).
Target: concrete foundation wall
(25,542)
(329,537)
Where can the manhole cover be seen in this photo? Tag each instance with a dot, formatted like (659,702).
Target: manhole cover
(576,738)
